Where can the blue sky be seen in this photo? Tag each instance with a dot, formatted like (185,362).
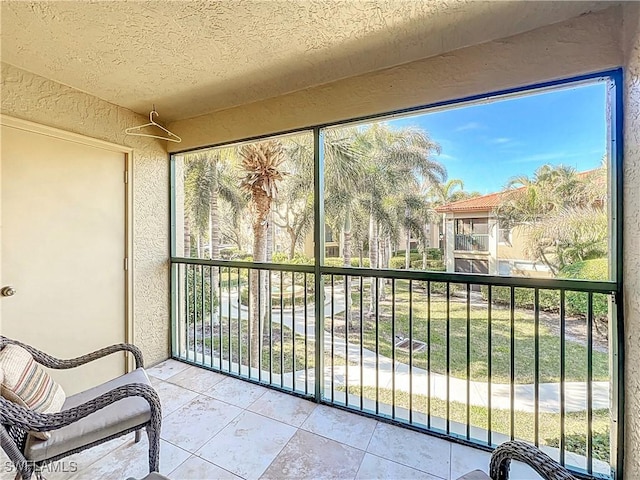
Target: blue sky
(487,144)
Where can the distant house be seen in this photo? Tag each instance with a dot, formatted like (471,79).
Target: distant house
(474,242)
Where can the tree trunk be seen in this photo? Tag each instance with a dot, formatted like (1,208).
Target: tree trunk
(407,252)
(269,240)
(424,249)
(259,255)
(214,237)
(293,240)
(187,237)
(347,263)
(373,260)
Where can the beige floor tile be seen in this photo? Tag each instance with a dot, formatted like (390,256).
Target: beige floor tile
(197,379)
(195,423)
(195,468)
(283,407)
(131,460)
(466,459)
(248,445)
(520,471)
(413,449)
(341,426)
(167,369)
(172,397)
(62,469)
(377,468)
(313,457)
(236,392)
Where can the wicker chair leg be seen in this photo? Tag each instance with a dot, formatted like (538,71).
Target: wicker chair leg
(24,469)
(138,435)
(154,448)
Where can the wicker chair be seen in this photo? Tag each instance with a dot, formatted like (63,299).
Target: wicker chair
(539,461)
(87,419)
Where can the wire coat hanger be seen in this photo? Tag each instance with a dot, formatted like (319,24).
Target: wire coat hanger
(171,137)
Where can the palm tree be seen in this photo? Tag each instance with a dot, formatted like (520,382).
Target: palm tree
(562,212)
(396,160)
(446,192)
(209,178)
(261,163)
(414,210)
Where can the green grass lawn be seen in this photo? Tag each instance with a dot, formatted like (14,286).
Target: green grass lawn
(278,352)
(548,423)
(524,335)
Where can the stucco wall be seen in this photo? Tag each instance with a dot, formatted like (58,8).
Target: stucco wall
(631,32)
(584,44)
(30,97)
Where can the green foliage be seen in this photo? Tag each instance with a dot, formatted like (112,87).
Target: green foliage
(563,213)
(596,269)
(232,253)
(334,262)
(298,258)
(434,254)
(575,439)
(199,292)
(432,265)
(286,299)
(398,262)
(549,300)
(355,262)
(577,443)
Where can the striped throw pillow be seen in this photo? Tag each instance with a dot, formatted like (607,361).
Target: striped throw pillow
(26,383)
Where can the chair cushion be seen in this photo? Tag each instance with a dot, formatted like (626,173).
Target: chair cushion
(26,383)
(118,417)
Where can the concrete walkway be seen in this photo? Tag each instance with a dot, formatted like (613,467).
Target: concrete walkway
(383,374)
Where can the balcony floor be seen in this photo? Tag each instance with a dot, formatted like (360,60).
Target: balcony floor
(218,427)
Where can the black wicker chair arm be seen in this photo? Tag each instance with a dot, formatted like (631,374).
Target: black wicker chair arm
(542,463)
(56,363)
(16,415)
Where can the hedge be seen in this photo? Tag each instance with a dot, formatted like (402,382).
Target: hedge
(549,300)
(275,299)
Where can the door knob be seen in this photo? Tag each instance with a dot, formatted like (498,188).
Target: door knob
(7,291)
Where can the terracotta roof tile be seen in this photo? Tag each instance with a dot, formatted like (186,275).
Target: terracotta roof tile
(484,203)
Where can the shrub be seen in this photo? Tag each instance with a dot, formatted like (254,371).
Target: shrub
(549,300)
(355,262)
(334,262)
(576,302)
(434,254)
(275,299)
(524,297)
(397,262)
(232,253)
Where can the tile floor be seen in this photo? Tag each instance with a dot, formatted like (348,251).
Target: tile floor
(218,427)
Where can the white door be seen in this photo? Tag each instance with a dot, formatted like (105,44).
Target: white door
(63,244)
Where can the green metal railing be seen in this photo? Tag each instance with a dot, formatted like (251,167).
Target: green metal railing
(569,334)
(521,358)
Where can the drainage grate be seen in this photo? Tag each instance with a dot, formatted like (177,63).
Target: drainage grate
(416,345)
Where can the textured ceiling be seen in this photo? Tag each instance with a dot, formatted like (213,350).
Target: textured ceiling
(190,58)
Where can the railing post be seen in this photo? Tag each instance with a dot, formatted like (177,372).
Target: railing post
(318,236)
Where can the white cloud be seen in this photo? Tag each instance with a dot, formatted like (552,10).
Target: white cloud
(542,157)
(500,140)
(470,126)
